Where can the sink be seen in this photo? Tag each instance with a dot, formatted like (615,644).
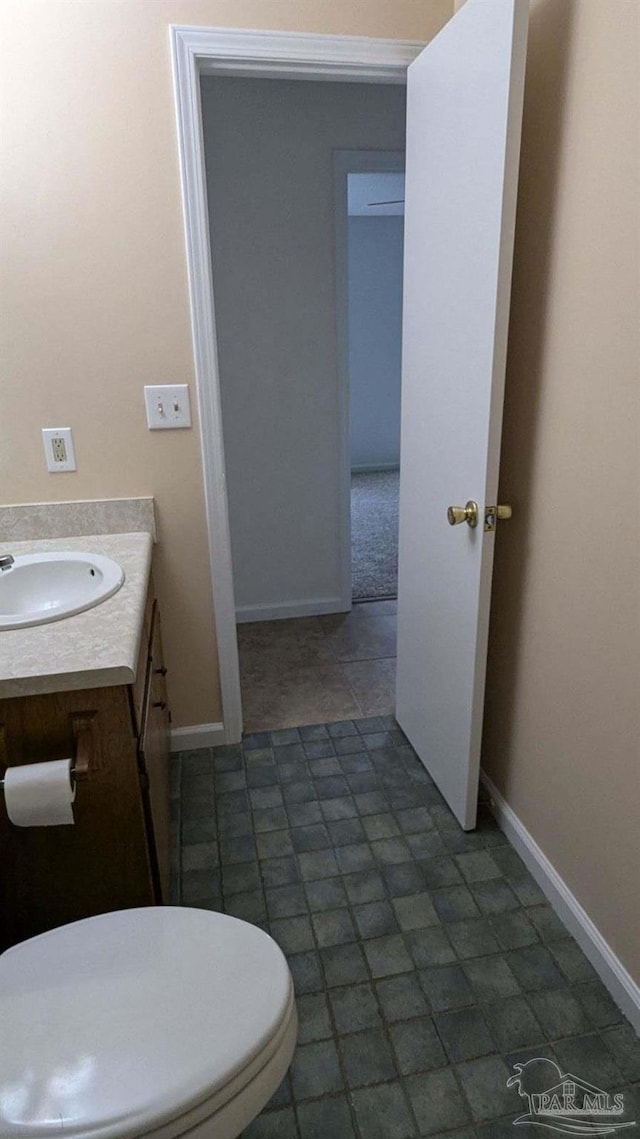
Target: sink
(38,588)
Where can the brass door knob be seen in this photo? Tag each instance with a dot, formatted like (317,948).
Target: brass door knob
(468,514)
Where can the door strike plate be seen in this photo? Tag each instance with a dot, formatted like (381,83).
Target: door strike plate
(493,513)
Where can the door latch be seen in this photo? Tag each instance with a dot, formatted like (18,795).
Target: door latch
(493,514)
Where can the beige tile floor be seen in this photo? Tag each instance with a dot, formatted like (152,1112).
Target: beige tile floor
(318,669)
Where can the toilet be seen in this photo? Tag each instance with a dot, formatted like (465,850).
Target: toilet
(149,1023)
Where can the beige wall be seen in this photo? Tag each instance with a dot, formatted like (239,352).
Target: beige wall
(562,726)
(94,291)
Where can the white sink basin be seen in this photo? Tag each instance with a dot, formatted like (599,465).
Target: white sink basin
(45,587)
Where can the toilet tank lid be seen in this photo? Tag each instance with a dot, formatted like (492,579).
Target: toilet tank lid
(118,1023)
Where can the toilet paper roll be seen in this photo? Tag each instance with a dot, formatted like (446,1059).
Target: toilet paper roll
(40,794)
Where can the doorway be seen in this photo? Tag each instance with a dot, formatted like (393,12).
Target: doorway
(454,330)
(197,52)
(274,153)
(456,293)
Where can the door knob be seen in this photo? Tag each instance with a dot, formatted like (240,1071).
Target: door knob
(468,514)
(471,515)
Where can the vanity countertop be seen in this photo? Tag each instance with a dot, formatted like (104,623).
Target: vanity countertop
(94,649)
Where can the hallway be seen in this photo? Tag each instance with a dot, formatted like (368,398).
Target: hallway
(316,669)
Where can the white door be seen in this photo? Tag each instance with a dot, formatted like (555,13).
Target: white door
(464,114)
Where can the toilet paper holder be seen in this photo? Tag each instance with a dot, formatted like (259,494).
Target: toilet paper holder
(82,728)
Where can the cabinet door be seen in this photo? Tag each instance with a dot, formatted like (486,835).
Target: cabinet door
(155,756)
(53,875)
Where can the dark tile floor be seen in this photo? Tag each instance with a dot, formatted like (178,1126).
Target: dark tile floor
(426,961)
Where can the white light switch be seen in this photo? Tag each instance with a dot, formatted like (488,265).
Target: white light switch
(167,406)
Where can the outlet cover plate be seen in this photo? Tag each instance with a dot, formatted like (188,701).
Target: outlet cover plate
(167,406)
(58,449)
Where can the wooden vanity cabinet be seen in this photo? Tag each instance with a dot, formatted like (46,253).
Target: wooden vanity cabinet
(116,855)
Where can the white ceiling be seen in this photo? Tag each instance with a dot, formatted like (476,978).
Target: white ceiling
(364,189)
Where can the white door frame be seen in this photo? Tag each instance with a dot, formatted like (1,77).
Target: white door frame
(276,55)
(347,162)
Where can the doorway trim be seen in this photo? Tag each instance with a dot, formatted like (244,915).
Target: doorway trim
(259,54)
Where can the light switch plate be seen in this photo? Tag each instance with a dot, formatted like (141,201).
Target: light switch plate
(167,406)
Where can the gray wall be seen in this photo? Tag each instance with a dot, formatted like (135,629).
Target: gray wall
(375,339)
(270,178)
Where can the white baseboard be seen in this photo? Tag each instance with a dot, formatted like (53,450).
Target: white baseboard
(317,607)
(371,468)
(198,735)
(620,983)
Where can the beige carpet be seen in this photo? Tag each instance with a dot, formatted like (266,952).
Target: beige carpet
(374,535)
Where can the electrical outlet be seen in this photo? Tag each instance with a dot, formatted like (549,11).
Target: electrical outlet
(58,449)
(167,406)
